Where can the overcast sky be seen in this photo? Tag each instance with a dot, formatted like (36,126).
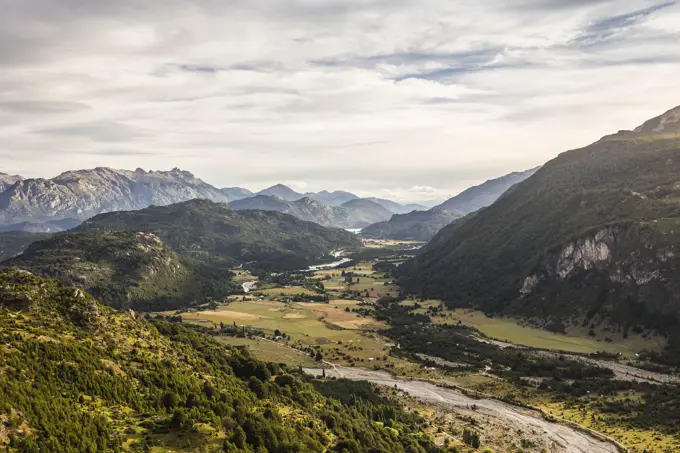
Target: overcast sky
(409,99)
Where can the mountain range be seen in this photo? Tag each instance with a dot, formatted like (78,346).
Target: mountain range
(424,225)
(590,238)
(356,213)
(7,181)
(85,193)
(51,205)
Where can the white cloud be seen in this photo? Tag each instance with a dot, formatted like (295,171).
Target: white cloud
(357,95)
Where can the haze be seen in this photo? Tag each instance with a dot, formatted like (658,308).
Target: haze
(406,99)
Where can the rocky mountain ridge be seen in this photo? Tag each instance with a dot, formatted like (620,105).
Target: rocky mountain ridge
(7,181)
(85,193)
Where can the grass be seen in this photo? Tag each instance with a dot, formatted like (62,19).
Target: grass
(576,340)
(326,326)
(285,291)
(270,351)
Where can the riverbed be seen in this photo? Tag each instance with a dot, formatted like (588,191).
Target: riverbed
(554,437)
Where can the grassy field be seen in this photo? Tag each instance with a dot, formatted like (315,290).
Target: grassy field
(576,340)
(339,335)
(376,285)
(284,291)
(270,351)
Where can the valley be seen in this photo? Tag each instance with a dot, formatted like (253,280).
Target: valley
(533,313)
(349,336)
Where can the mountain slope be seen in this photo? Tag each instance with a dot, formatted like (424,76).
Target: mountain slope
(13,243)
(125,269)
(53,226)
(396,208)
(7,181)
(365,212)
(85,193)
(336,198)
(591,236)
(101,380)
(415,226)
(236,193)
(485,194)
(353,214)
(212,232)
(281,191)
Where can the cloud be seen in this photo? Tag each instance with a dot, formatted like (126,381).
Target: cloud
(362,95)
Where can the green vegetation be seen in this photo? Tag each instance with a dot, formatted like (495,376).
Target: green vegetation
(126,269)
(13,243)
(215,234)
(590,237)
(414,226)
(510,330)
(103,380)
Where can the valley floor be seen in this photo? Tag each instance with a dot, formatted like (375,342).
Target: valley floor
(344,336)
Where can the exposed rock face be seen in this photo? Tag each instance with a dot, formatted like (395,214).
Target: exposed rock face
(7,181)
(586,253)
(85,193)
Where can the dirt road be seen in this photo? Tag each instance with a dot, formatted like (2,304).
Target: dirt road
(554,437)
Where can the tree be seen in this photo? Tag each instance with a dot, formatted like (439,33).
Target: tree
(179,419)
(318,356)
(239,438)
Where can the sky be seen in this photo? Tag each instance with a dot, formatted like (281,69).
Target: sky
(407,99)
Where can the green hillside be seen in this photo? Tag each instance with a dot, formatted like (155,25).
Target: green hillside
(76,376)
(214,233)
(591,237)
(13,243)
(125,269)
(414,226)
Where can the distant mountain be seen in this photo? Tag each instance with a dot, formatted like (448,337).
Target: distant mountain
(485,194)
(366,212)
(281,191)
(53,226)
(85,193)
(13,243)
(336,198)
(393,207)
(214,233)
(7,181)
(352,214)
(236,193)
(414,207)
(591,238)
(423,225)
(414,226)
(125,269)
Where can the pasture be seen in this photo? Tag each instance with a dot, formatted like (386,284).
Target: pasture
(576,340)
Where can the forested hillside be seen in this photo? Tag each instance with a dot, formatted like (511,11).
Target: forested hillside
(109,381)
(126,270)
(214,233)
(590,238)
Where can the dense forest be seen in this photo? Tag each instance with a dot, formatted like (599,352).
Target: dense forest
(103,380)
